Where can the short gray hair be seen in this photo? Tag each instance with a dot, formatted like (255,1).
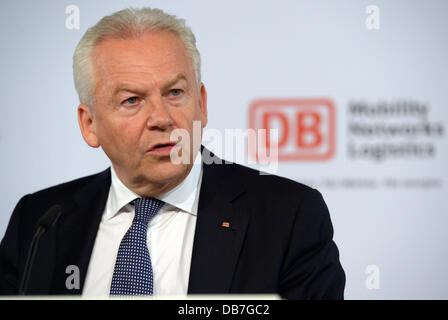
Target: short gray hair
(125,24)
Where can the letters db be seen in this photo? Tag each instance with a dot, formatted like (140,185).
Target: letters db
(306,127)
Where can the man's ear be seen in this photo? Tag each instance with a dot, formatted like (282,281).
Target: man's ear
(203,104)
(86,122)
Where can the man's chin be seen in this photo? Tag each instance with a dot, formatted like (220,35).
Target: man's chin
(166,173)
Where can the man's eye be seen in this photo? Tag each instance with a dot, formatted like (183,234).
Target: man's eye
(176,92)
(131,100)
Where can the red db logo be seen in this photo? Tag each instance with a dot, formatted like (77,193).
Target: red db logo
(306,127)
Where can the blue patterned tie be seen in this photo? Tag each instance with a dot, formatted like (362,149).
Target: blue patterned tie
(133,270)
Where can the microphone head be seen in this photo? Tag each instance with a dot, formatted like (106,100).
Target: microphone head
(50,217)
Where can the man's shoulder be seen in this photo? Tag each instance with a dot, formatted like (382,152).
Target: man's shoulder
(267,181)
(263,188)
(69,188)
(31,206)
(275,199)
(260,182)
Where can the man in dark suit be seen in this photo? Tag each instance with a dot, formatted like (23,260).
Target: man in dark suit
(137,74)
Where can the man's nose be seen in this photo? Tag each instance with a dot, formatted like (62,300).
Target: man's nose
(159,117)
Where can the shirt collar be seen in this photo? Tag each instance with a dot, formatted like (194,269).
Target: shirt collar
(185,196)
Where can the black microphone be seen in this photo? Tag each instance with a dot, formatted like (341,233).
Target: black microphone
(45,223)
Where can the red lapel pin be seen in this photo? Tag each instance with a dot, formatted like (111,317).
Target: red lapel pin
(225,224)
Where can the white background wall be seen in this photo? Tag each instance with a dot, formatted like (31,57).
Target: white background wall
(264,49)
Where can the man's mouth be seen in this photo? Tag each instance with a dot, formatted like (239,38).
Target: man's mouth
(162,148)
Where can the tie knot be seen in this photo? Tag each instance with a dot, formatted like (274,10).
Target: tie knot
(146,208)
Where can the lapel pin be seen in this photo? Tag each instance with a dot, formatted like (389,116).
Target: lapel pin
(225,224)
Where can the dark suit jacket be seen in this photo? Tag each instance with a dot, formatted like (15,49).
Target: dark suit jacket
(279,239)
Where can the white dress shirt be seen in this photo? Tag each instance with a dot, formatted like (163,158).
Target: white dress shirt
(170,236)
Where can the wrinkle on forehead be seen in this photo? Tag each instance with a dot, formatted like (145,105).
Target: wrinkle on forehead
(132,60)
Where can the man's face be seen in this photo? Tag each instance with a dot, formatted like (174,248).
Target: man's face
(144,88)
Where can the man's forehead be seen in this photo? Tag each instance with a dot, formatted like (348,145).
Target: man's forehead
(160,44)
(122,61)
(126,85)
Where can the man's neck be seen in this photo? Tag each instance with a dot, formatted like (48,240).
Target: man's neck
(145,188)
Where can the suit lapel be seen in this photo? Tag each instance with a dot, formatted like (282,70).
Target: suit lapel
(77,229)
(220,229)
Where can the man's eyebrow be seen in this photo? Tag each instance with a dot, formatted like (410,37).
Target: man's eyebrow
(170,83)
(178,78)
(126,87)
